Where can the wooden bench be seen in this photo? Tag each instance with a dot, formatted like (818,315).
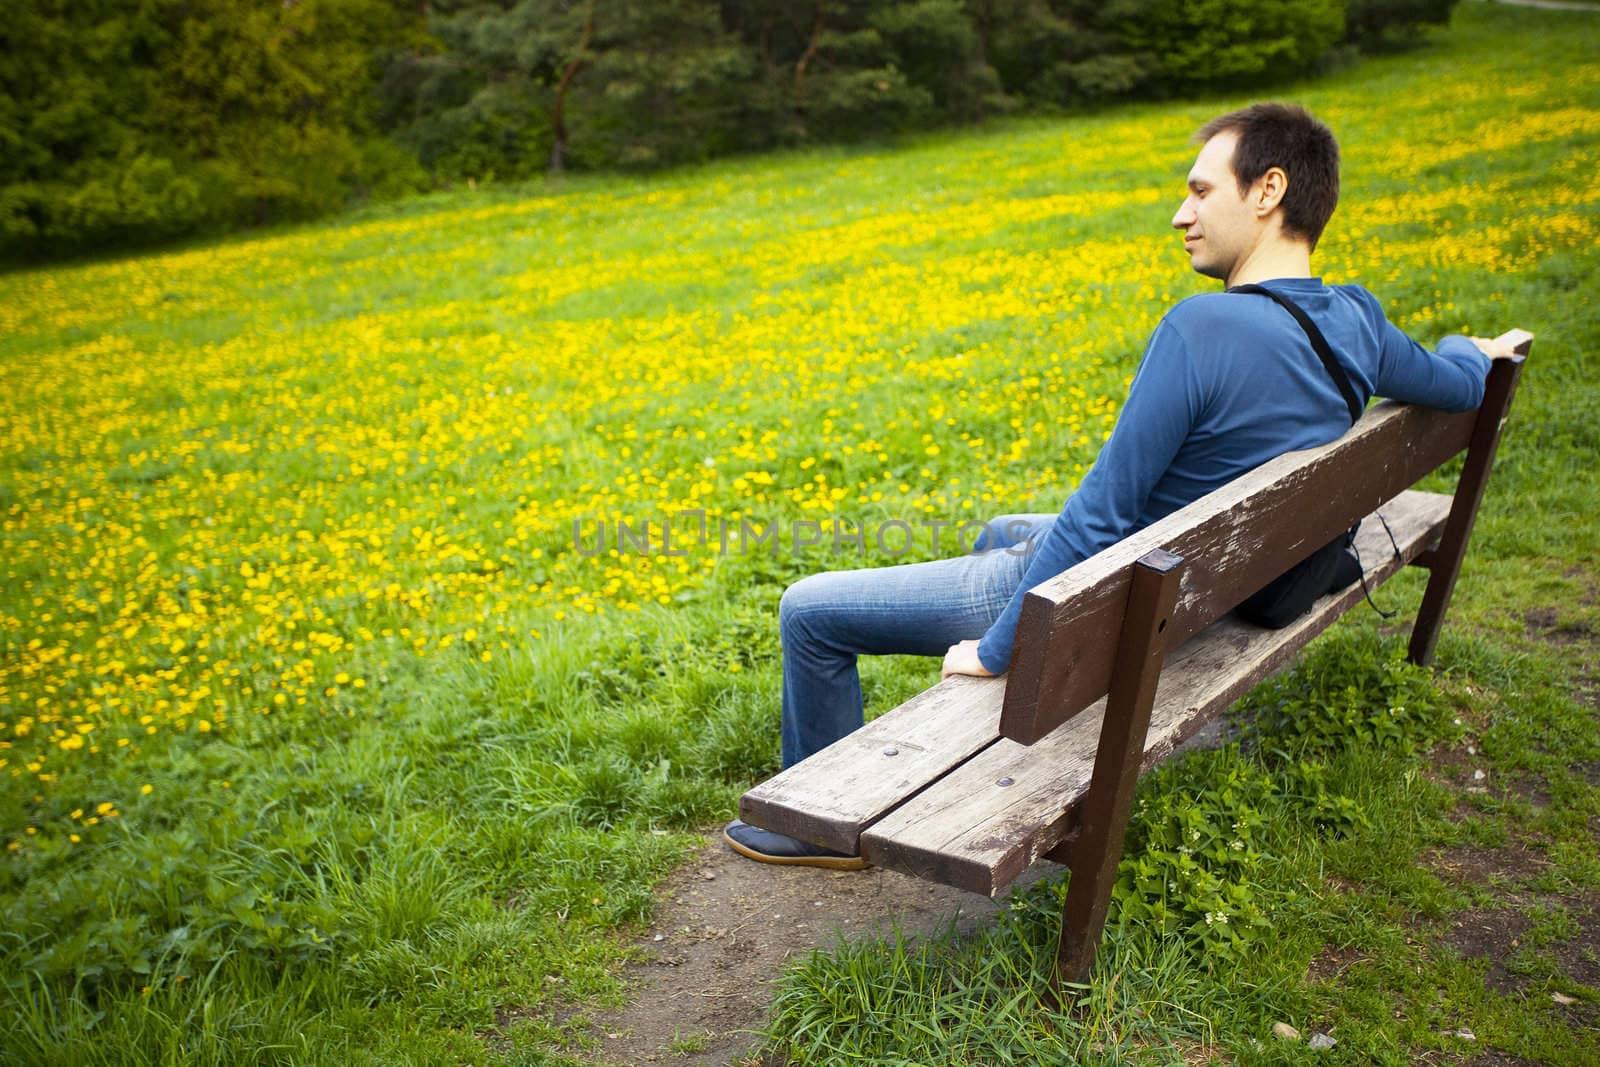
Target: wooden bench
(972,780)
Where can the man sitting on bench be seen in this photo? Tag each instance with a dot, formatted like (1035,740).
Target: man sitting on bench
(1228,381)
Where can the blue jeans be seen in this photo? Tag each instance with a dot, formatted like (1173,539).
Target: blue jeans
(919,609)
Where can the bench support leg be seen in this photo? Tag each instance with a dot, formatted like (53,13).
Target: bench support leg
(1098,847)
(1444,562)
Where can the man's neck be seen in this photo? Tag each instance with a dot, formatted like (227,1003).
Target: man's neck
(1279,259)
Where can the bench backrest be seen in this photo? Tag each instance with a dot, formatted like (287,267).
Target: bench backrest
(1233,540)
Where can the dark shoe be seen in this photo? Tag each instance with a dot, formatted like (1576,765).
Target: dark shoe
(765,846)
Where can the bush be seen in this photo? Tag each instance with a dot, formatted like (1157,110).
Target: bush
(1393,22)
(140,199)
(1207,42)
(129,125)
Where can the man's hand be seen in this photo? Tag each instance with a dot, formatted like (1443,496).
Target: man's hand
(963,659)
(1504,346)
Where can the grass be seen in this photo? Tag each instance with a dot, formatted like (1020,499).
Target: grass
(323,742)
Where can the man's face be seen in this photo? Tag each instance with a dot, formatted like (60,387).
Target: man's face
(1219,228)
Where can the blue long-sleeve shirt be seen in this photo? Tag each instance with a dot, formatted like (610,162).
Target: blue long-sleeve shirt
(1229,381)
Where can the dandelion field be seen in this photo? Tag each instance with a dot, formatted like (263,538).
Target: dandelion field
(328,731)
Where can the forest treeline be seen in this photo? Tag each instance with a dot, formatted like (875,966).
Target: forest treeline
(125,122)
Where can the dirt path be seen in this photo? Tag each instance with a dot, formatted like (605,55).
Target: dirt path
(724,928)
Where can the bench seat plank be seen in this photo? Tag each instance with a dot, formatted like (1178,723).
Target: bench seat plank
(968,831)
(829,798)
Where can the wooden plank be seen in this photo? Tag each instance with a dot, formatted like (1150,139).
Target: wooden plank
(1498,391)
(1234,540)
(829,798)
(969,830)
(1141,652)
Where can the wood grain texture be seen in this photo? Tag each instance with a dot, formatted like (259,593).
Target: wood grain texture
(1234,541)
(1497,394)
(1118,761)
(829,798)
(970,831)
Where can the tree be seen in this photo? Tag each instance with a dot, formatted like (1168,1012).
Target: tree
(1059,53)
(146,119)
(136,120)
(663,82)
(1387,23)
(1220,42)
(515,86)
(569,71)
(77,89)
(936,44)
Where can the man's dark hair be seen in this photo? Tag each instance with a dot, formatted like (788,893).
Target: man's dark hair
(1285,135)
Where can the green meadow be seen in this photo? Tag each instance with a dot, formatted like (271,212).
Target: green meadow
(331,732)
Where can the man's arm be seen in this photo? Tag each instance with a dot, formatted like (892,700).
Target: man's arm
(1163,402)
(1450,378)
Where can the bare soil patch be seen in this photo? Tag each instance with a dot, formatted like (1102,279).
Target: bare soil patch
(1496,1058)
(1462,765)
(724,928)
(1331,963)
(1519,962)
(1544,625)
(1508,865)
(1586,688)
(1487,1058)
(1579,956)
(1493,935)
(1465,768)
(1589,771)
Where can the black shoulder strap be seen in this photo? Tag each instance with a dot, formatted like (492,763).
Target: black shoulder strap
(1318,342)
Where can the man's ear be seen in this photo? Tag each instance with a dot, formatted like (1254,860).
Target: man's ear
(1269,191)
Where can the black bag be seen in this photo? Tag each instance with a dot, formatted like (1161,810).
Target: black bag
(1291,594)
(1334,565)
